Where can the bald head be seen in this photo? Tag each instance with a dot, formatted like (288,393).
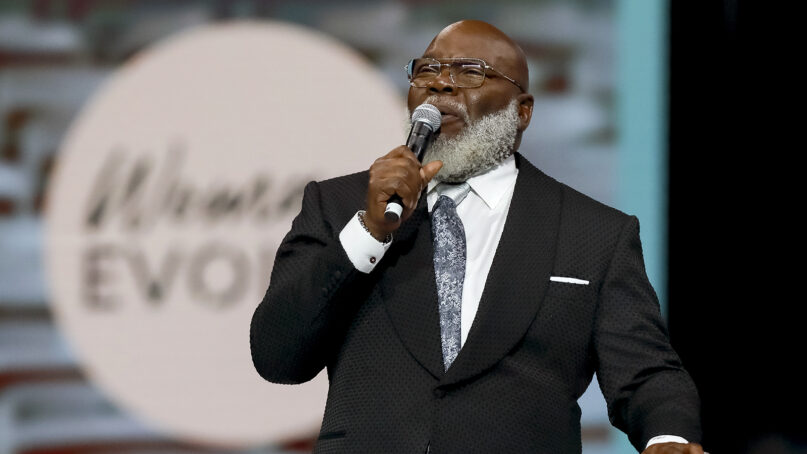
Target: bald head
(474,38)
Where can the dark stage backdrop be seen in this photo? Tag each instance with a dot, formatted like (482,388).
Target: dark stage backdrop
(734,269)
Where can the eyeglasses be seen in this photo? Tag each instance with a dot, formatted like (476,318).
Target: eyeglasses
(464,72)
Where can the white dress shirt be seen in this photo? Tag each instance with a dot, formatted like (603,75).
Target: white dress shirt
(483,214)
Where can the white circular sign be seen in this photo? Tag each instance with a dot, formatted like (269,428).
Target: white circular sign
(174,188)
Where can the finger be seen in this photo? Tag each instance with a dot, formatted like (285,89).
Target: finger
(405,169)
(400,151)
(428,171)
(415,184)
(400,180)
(386,169)
(386,165)
(407,189)
(409,154)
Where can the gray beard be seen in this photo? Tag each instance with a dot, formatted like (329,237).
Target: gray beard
(477,148)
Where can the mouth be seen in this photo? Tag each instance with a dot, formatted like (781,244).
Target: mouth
(453,114)
(450,114)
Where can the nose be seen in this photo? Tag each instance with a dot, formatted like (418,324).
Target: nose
(442,83)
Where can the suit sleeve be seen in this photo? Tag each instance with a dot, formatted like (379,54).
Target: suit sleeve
(644,383)
(306,310)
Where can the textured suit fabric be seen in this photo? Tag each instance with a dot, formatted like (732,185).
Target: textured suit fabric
(532,349)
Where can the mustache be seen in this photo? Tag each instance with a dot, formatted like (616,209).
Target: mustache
(449,105)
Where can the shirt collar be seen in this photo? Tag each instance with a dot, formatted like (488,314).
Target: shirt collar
(491,185)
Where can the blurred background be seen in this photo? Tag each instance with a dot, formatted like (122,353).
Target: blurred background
(635,103)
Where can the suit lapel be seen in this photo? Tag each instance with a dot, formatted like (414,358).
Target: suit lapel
(518,277)
(409,291)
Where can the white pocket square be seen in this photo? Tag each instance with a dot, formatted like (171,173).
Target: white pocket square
(568,280)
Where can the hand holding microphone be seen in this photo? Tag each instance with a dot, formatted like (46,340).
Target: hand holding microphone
(398,177)
(426,121)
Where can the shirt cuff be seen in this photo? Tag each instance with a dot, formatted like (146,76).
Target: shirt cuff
(362,249)
(666,439)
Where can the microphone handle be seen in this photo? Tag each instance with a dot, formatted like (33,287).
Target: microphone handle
(420,137)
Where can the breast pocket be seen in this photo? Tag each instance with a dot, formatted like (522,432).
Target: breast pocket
(568,305)
(562,332)
(570,291)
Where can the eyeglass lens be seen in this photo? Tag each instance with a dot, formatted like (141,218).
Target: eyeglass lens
(464,73)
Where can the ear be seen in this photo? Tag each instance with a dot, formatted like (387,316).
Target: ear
(525,102)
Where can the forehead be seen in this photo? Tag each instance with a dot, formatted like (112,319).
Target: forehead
(496,52)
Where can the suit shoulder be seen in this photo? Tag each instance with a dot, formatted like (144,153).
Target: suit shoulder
(352,178)
(587,206)
(340,197)
(344,187)
(573,202)
(588,230)
(354,182)
(578,211)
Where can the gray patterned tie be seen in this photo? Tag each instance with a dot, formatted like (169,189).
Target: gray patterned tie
(448,236)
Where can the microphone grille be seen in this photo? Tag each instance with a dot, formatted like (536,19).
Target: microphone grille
(428,114)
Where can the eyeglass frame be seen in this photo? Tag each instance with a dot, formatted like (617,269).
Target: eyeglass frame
(451,76)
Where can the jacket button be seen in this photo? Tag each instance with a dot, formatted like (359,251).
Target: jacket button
(337,274)
(439,393)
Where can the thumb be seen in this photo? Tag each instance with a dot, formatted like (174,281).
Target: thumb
(428,171)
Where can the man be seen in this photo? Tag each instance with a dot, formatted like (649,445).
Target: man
(476,321)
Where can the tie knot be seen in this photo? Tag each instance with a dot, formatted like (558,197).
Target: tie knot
(455,191)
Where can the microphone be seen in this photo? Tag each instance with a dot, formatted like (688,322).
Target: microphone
(426,121)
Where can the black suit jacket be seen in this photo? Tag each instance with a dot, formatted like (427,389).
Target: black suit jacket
(531,351)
